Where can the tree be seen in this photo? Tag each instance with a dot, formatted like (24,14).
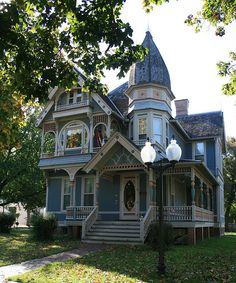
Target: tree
(21,180)
(230,182)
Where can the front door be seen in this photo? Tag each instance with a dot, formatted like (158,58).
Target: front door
(129,198)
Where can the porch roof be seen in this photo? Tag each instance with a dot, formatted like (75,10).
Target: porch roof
(105,152)
(200,166)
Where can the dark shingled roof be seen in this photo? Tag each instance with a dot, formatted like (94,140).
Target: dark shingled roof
(152,69)
(110,103)
(202,125)
(119,99)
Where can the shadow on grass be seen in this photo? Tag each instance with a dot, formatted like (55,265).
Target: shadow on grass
(211,260)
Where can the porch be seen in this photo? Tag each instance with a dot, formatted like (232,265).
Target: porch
(135,231)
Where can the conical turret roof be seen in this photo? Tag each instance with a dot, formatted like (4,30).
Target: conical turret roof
(152,69)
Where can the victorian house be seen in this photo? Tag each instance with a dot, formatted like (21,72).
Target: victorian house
(97,184)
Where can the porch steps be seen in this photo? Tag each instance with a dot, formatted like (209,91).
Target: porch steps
(114,232)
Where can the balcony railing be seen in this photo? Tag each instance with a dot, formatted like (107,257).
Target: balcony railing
(73,105)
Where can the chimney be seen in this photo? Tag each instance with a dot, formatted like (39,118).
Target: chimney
(181,107)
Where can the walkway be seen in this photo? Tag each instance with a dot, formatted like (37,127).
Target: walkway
(16,269)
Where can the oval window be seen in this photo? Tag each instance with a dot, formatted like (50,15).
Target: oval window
(129,195)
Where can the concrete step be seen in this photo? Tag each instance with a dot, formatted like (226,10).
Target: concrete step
(111,242)
(114,230)
(113,234)
(125,223)
(118,228)
(112,239)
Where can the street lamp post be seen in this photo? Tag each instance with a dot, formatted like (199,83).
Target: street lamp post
(148,155)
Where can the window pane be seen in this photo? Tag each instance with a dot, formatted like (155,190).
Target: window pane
(67,188)
(199,148)
(74,138)
(142,126)
(78,97)
(157,129)
(88,186)
(88,200)
(66,201)
(71,97)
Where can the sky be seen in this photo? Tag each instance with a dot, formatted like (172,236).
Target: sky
(190,57)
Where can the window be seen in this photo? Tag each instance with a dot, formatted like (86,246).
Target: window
(142,126)
(88,191)
(66,193)
(199,151)
(49,143)
(100,136)
(157,129)
(132,130)
(74,135)
(71,97)
(78,97)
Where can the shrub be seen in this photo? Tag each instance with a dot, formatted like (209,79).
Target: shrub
(154,235)
(44,227)
(6,221)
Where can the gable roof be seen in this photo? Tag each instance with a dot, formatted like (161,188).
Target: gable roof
(101,156)
(203,125)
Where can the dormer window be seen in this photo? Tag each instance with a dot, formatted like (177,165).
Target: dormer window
(200,151)
(75,96)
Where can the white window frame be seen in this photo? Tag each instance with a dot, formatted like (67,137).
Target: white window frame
(204,149)
(63,192)
(71,125)
(140,117)
(83,189)
(161,130)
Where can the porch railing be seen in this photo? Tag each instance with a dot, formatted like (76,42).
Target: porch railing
(78,212)
(178,213)
(73,105)
(89,221)
(201,214)
(145,222)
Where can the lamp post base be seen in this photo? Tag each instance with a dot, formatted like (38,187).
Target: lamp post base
(161,268)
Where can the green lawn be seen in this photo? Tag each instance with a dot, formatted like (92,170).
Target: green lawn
(18,246)
(210,261)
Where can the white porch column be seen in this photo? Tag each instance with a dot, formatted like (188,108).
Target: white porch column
(72,187)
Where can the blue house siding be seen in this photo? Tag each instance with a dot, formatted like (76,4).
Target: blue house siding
(78,192)
(188,151)
(54,195)
(210,151)
(109,198)
(143,192)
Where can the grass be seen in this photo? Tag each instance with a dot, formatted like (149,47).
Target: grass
(210,261)
(18,246)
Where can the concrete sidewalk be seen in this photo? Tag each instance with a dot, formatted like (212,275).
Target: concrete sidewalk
(16,269)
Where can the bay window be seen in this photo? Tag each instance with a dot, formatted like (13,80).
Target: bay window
(157,129)
(142,126)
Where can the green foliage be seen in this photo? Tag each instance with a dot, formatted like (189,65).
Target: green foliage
(44,227)
(230,181)
(6,222)
(228,69)
(21,180)
(154,235)
(212,260)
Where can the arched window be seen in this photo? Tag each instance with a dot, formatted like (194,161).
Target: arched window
(49,144)
(74,135)
(100,136)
